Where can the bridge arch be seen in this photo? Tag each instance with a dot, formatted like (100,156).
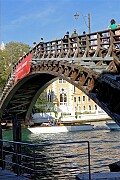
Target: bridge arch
(27,90)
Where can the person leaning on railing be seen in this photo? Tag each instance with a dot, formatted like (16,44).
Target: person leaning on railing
(65,39)
(74,35)
(74,39)
(113,25)
(66,36)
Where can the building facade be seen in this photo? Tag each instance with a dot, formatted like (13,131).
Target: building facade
(69,99)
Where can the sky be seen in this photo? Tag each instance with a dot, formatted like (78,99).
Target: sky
(26,21)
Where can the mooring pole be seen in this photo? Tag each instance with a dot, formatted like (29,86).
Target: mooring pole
(0,126)
(17,146)
(2,155)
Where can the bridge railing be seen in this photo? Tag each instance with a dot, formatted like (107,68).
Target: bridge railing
(85,43)
(89,45)
(46,159)
(102,45)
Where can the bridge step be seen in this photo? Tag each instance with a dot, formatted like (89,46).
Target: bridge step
(74,59)
(98,67)
(82,63)
(107,58)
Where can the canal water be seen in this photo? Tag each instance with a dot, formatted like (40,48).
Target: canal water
(104,149)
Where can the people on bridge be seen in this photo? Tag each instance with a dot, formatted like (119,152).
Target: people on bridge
(66,36)
(41,44)
(113,24)
(41,40)
(83,38)
(74,35)
(65,39)
(34,47)
(74,39)
(34,44)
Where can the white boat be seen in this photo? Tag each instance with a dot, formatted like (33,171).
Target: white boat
(60,128)
(112,125)
(41,118)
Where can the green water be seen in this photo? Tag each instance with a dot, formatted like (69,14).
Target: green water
(8,134)
(104,148)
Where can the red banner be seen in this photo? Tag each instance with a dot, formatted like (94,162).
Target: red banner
(23,68)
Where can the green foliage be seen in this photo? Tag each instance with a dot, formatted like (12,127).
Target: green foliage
(42,105)
(42,98)
(13,51)
(56,113)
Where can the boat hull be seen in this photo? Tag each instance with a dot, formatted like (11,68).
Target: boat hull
(58,129)
(113,125)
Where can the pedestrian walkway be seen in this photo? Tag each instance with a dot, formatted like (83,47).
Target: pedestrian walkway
(99,176)
(8,175)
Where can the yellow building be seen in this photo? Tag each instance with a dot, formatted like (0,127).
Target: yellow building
(70,99)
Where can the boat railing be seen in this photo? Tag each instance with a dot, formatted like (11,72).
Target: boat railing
(45,159)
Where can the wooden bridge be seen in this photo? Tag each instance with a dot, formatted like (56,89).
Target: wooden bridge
(90,62)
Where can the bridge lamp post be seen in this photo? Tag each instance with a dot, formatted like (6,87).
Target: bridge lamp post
(87,24)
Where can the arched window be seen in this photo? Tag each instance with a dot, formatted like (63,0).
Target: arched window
(63,97)
(84,108)
(95,107)
(49,98)
(74,99)
(83,98)
(79,99)
(62,81)
(89,107)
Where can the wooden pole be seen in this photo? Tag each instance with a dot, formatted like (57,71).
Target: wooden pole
(2,157)
(0,126)
(17,147)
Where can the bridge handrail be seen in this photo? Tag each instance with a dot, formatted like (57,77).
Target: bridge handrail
(59,40)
